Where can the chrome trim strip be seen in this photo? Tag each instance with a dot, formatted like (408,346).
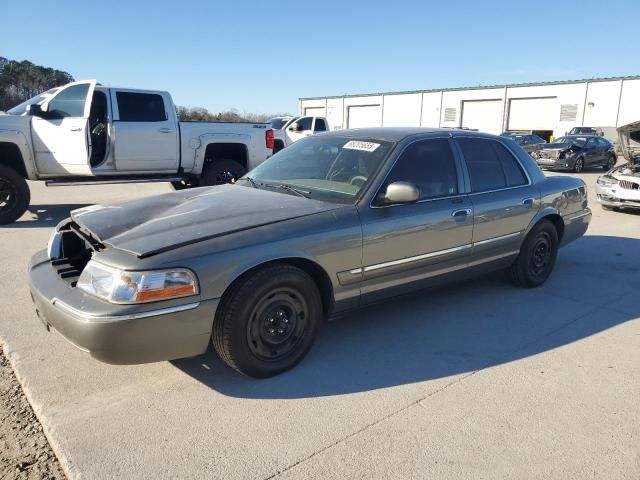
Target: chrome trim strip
(497,239)
(356,271)
(402,261)
(90,317)
(584,214)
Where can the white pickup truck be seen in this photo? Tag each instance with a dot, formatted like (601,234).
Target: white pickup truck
(85,133)
(290,129)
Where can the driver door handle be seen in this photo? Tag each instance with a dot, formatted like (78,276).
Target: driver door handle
(463,212)
(528,202)
(75,129)
(165,130)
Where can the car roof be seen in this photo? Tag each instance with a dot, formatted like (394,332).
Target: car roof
(395,134)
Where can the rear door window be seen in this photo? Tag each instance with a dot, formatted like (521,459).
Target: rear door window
(491,166)
(141,107)
(320,126)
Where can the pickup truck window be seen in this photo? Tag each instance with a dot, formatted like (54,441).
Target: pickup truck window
(490,165)
(305,122)
(430,165)
(141,107)
(320,126)
(70,102)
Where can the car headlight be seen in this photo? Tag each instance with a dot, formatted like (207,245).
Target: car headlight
(607,181)
(119,286)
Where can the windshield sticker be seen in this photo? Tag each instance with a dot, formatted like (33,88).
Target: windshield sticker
(362,146)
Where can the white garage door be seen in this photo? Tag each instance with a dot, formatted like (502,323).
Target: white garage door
(483,115)
(363,116)
(314,112)
(533,113)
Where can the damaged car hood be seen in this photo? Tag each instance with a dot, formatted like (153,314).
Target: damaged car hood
(629,136)
(152,225)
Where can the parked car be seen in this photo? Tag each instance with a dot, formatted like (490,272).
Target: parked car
(531,143)
(576,152)
(84,133)
(333,222)
(609,133)
(620,187)
(296,128)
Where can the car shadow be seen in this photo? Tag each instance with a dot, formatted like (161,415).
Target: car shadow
(449,331)
(44,216)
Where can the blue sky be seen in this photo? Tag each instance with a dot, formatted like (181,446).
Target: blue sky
(261,56)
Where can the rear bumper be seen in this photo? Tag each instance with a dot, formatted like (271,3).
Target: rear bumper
(120,334)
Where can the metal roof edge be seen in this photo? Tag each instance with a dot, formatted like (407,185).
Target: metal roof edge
(479,87)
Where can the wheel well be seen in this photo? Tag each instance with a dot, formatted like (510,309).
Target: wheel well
(279,144)
(557,222)
(227,151)
(315,271)
(11,157)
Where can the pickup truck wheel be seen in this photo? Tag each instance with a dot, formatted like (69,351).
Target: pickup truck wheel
(537,256)
(14,195)
(220,172)
(267,323)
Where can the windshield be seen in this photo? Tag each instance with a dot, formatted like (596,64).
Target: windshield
(278,123)
(579,141)
(519,139)
(582,130)
(328,168)
(22,108)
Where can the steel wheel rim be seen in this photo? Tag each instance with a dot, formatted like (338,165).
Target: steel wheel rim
(541,256)
(8,194)
(277,324)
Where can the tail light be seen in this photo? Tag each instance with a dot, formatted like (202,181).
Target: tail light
(268,137)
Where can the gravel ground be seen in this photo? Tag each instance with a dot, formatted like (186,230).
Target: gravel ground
(24,450)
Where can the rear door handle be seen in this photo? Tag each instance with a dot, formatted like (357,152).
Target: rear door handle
(165,130)
(528,202)
(463,212)
(75,129)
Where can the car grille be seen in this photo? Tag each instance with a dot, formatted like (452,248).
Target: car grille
(629,185)
(550,154)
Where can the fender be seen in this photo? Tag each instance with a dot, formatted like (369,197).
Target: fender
(22,142)
(545,211)
(209,138)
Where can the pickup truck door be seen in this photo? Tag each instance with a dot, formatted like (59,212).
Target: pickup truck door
(60,136)
(145,131)
(504,199)
(409,242)
(301,128)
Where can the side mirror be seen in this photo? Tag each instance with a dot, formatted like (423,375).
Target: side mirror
(35,110)
(401,192)
(295,128)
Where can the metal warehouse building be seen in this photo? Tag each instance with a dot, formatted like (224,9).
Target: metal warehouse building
(551,108)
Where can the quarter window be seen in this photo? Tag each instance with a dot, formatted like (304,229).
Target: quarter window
(491,166)
(141,107)
(70,102)
(430,165)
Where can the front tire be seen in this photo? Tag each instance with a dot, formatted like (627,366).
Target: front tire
(579,165)
(267,323)
(14,195)
(220,172)
(537,257)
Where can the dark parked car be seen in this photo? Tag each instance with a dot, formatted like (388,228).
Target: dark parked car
(333,222)
(577,152)
(531,143)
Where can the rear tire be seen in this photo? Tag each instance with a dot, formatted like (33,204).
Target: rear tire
(14,195)
(611,162)
(537,257)
(267,323)
(219,172)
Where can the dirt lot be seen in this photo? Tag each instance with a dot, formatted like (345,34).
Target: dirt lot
(24,450)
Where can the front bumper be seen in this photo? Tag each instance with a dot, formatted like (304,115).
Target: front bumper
(120,334)
(555,164)
(615,197)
